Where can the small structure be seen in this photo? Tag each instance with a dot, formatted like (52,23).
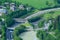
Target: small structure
(3,19)
(12,6)
(6,3)
(28,8)
(21,7)
(2,10)
(0,25)
(0,36)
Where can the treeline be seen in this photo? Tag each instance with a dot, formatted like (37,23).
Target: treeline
(8,21)
(36,18)
(17,13)
(2,1)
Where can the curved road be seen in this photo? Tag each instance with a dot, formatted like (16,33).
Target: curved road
(46,26)
(42,12)
(34,15)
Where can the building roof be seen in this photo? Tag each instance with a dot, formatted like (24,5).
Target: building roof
(1,6)
(6,3)
(21,7)
(2,10)
(12,4)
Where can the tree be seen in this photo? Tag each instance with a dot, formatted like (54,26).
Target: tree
(48,3)
(41,34)
(0,31)
(44,35)
(18,13)
(8,20)
(3,32)
(18,31)
(17,38)
(33,19)
(41,23)
(58,1)
(58,22)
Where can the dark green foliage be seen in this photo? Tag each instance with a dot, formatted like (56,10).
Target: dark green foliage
(8,20)
(53,32)
(0,31)
(3,33)
(18,13)
(41,23)
(3,1)
(41,34)
(44,35)
(33,19)
(58,22)
(17,38)
(18,31)
(58,1)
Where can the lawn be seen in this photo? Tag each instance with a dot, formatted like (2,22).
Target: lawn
(38,3)
(27,24)
(51,15)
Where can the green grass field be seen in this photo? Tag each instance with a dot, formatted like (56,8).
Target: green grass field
(38,3)
(54,15)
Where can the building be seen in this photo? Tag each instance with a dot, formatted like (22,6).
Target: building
(12,6)
(21,7)
(0,35)
(2,10)
(28,8)
(6,4)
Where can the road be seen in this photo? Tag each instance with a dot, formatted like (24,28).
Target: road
(9,34)
(31,33)
(9,31)
(46,26)
(42,12)
(20,20)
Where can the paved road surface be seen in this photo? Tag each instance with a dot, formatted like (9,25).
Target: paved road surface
(42,12)
(20,20)
(46,26)
(9,34)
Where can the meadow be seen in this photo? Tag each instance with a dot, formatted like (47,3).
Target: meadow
(39,4)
